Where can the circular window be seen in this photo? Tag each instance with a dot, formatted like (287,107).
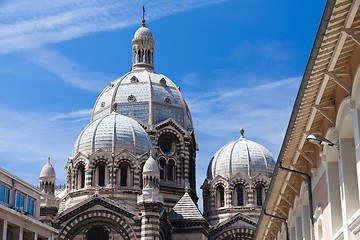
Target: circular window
(167,146)
(131,98)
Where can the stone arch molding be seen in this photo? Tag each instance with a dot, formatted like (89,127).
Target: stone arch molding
(90,218)
(236,233)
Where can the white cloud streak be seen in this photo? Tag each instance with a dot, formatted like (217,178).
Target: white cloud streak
(28,138)
(66,69)
(29,24)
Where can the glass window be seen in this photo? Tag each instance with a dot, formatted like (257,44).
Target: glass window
(19,201)
(170,170)
(4,194)
(123,176)
(162,168)
(81,178)
(30,206)
(101,174)
(221,196)
(240,196)
(259,195)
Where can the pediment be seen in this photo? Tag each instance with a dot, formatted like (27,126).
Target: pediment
(97,202)
(173,123)
(238,220)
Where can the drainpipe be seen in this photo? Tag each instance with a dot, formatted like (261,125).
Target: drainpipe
(309,193)
(283,219)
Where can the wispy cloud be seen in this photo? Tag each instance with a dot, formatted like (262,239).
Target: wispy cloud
(267,50)
(263,110)
(73,115)
(28,138)
(66,69)
(29,24)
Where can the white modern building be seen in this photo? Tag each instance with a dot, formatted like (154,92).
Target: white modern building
(20,210)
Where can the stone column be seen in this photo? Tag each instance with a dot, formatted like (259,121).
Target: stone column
(88,178)
(3,229)
(150,220)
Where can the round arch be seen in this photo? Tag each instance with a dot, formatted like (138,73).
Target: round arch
(242,233)
(95,218)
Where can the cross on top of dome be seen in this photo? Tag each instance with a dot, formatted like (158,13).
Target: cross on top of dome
(242,133)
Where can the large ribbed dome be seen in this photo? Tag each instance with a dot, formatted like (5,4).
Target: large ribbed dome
(241,155)
(145,95)
(113,133)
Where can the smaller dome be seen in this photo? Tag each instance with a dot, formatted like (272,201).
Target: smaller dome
(143,32)
(151,166)
(48,170)
(113,133)
(241,155)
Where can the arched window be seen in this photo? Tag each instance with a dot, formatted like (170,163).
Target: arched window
(170,170)
(259,195)
(239,195)
(124,174)
(182,168)
(98,233)
(162,168)
(81,176)
(221,196)
(100,174)
(141,175)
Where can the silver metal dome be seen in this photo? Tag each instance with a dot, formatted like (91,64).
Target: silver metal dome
(146,96)
(113,133)
(241,155)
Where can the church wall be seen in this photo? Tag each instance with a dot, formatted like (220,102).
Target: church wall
(189,236)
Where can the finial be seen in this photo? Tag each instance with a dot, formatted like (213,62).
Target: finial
(143,20)
(48,159)
(187,189)
(242,132)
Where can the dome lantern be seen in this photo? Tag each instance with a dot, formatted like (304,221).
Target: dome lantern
(143,45)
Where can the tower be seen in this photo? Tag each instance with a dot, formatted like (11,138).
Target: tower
(47,180)
(238,177)
(150,201)
(156,103)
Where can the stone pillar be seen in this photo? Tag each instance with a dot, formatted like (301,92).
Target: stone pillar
(3,229)
(34,236)
(298,228)
(150,220)
(305,221)
(228,198)
(88,178)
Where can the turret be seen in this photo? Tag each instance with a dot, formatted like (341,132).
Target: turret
(150,201)
(47,180)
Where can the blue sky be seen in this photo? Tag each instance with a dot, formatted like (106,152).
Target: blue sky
(238,63)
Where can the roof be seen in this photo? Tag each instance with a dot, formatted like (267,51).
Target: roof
(47,171)
(151,165)
(241,155)
(145,95)
(331,52)
(113,133)
(185,209)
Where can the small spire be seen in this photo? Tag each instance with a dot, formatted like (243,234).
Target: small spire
(242,132)
(143,20)
(48,159)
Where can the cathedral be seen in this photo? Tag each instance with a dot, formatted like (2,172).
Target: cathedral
(132,171)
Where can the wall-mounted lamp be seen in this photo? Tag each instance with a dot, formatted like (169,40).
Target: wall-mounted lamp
(316,139)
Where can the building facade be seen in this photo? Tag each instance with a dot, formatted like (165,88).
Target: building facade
(238,177)
(132,172)
(314,192)
(20,210)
